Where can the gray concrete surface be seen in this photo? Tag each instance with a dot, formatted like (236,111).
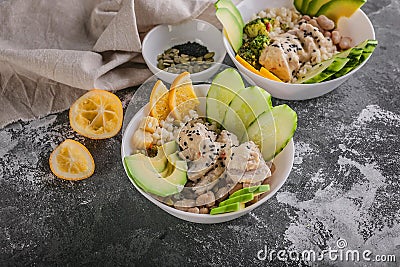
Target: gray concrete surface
(344,187)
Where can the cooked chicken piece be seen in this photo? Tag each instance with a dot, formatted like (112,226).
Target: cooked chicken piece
(209,154)
(288,51)
(245,164)
(281,56)
(209,180)
(228,138)
(314,44)
(191,138)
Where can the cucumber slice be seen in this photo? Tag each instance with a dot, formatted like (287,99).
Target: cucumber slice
(357,56)
(368,49)
(244,108)
(271,131)
(231,6)
(223,89)
(256,190)
(323,70)
(228,208)
(354,58)
(231,26)
(238,199)
(314,71)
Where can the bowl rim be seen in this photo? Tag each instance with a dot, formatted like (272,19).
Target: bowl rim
(148,35)
(231,54)
(179,213)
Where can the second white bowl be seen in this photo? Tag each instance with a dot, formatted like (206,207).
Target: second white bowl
(162,37)
(358,27)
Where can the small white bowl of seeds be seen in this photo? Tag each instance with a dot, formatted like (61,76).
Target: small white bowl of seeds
(195,46)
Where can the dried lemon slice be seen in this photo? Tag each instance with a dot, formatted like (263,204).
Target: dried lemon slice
(97,114)
(71,161)
(159,108)
(182,97)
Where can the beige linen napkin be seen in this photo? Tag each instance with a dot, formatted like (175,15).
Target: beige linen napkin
(51,49)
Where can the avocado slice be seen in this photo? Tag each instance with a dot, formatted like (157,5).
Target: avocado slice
(340,8)
(232,27)
(256,190)
(141,171)
(159,162)
(231,6)
(304,6)
(240,199)
(314,6)
(168,170)
(297,4)
(228,208)
(173,158)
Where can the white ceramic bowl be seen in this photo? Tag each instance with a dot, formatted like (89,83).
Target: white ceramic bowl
(283,163)
(164,36)
(358,27)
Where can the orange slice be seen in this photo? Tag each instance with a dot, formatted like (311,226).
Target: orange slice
(269,75)
(246,65)
(159,108)
(71,161)
(182,97)
(263,72)
(97,114)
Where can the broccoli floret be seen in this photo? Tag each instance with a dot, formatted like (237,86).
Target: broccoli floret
(259,26)
(252,48)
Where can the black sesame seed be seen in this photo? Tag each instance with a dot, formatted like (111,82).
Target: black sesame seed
(191,139)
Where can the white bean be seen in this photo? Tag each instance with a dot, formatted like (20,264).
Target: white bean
(345,43)
(325,23)
(336,37)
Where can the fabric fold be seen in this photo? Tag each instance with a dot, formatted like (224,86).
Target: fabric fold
(51,50)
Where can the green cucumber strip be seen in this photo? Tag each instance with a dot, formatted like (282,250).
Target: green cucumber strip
(240,199)
(256,190)
(228,208)
(337,64)
(354,58)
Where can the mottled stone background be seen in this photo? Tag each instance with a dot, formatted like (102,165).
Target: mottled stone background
(344,185)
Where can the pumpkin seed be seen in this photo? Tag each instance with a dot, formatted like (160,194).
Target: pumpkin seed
(174,62)
(209,55)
